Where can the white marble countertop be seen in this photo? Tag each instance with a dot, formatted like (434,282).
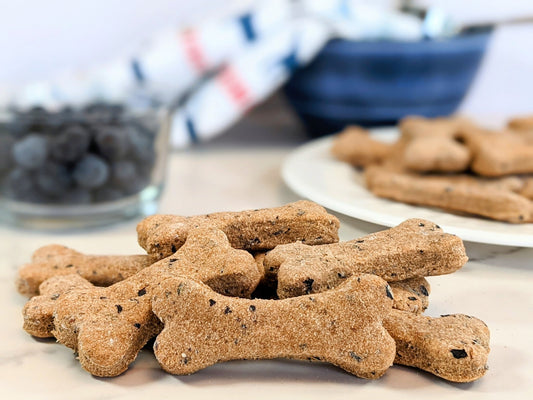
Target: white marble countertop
(495,285)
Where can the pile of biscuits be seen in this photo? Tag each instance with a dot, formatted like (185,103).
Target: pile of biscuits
(449,163)
(259,284)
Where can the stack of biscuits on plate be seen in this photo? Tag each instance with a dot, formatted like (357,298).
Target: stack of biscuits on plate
(449,163)
(257,284)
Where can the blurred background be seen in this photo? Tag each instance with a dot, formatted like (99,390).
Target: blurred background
(40,38)
(237,72)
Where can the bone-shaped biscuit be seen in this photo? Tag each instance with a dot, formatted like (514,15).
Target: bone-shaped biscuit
(498,153)
(54,260)
(451,195)
(454,347)
(38,311)
(409,294)
(341,326)
(436,154)
(108,326)
(355,146)
(252,230)
(414,248)
(415,127)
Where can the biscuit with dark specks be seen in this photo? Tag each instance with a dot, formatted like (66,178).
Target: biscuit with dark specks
(411,294)
(108,326)
(252,230)
(38,311)
(453,347)
(55,260)
(341,326)
(449,194)
(415,248)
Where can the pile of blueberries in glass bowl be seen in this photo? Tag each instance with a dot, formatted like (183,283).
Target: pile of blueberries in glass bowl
(96,161)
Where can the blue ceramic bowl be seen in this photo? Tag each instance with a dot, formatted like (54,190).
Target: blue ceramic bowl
(378,83)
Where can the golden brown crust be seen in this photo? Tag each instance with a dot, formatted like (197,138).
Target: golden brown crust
(38,311)
(342,327)
(450,194)
(355,146)
(415,248)
(56,260)
(524,123)
(415,127)
(253,230)
(108,326)
(436,154)
(411,294)
(453,347)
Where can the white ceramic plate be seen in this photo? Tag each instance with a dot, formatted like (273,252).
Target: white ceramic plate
(314,174)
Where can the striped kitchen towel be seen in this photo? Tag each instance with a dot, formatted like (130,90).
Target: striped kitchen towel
(215,72)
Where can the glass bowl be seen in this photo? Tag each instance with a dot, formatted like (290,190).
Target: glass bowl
(72,168)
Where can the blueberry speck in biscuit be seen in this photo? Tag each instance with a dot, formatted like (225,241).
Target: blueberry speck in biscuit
(458,353)
(308,283)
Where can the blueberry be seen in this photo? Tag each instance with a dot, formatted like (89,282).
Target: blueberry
(20,185)
(6,144)
(91,172)
(71,144)
(112,142)
(103,114)
(141,145)
(123,173)
(53,179)
(107,194)
(53,123)
(126,175)
(36,119)
(69,116)
(18,127)
(31,152)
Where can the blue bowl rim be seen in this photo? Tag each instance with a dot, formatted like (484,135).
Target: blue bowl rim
(477,39)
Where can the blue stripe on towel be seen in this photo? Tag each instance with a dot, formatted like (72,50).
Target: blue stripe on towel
(137,71)
(248,27)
